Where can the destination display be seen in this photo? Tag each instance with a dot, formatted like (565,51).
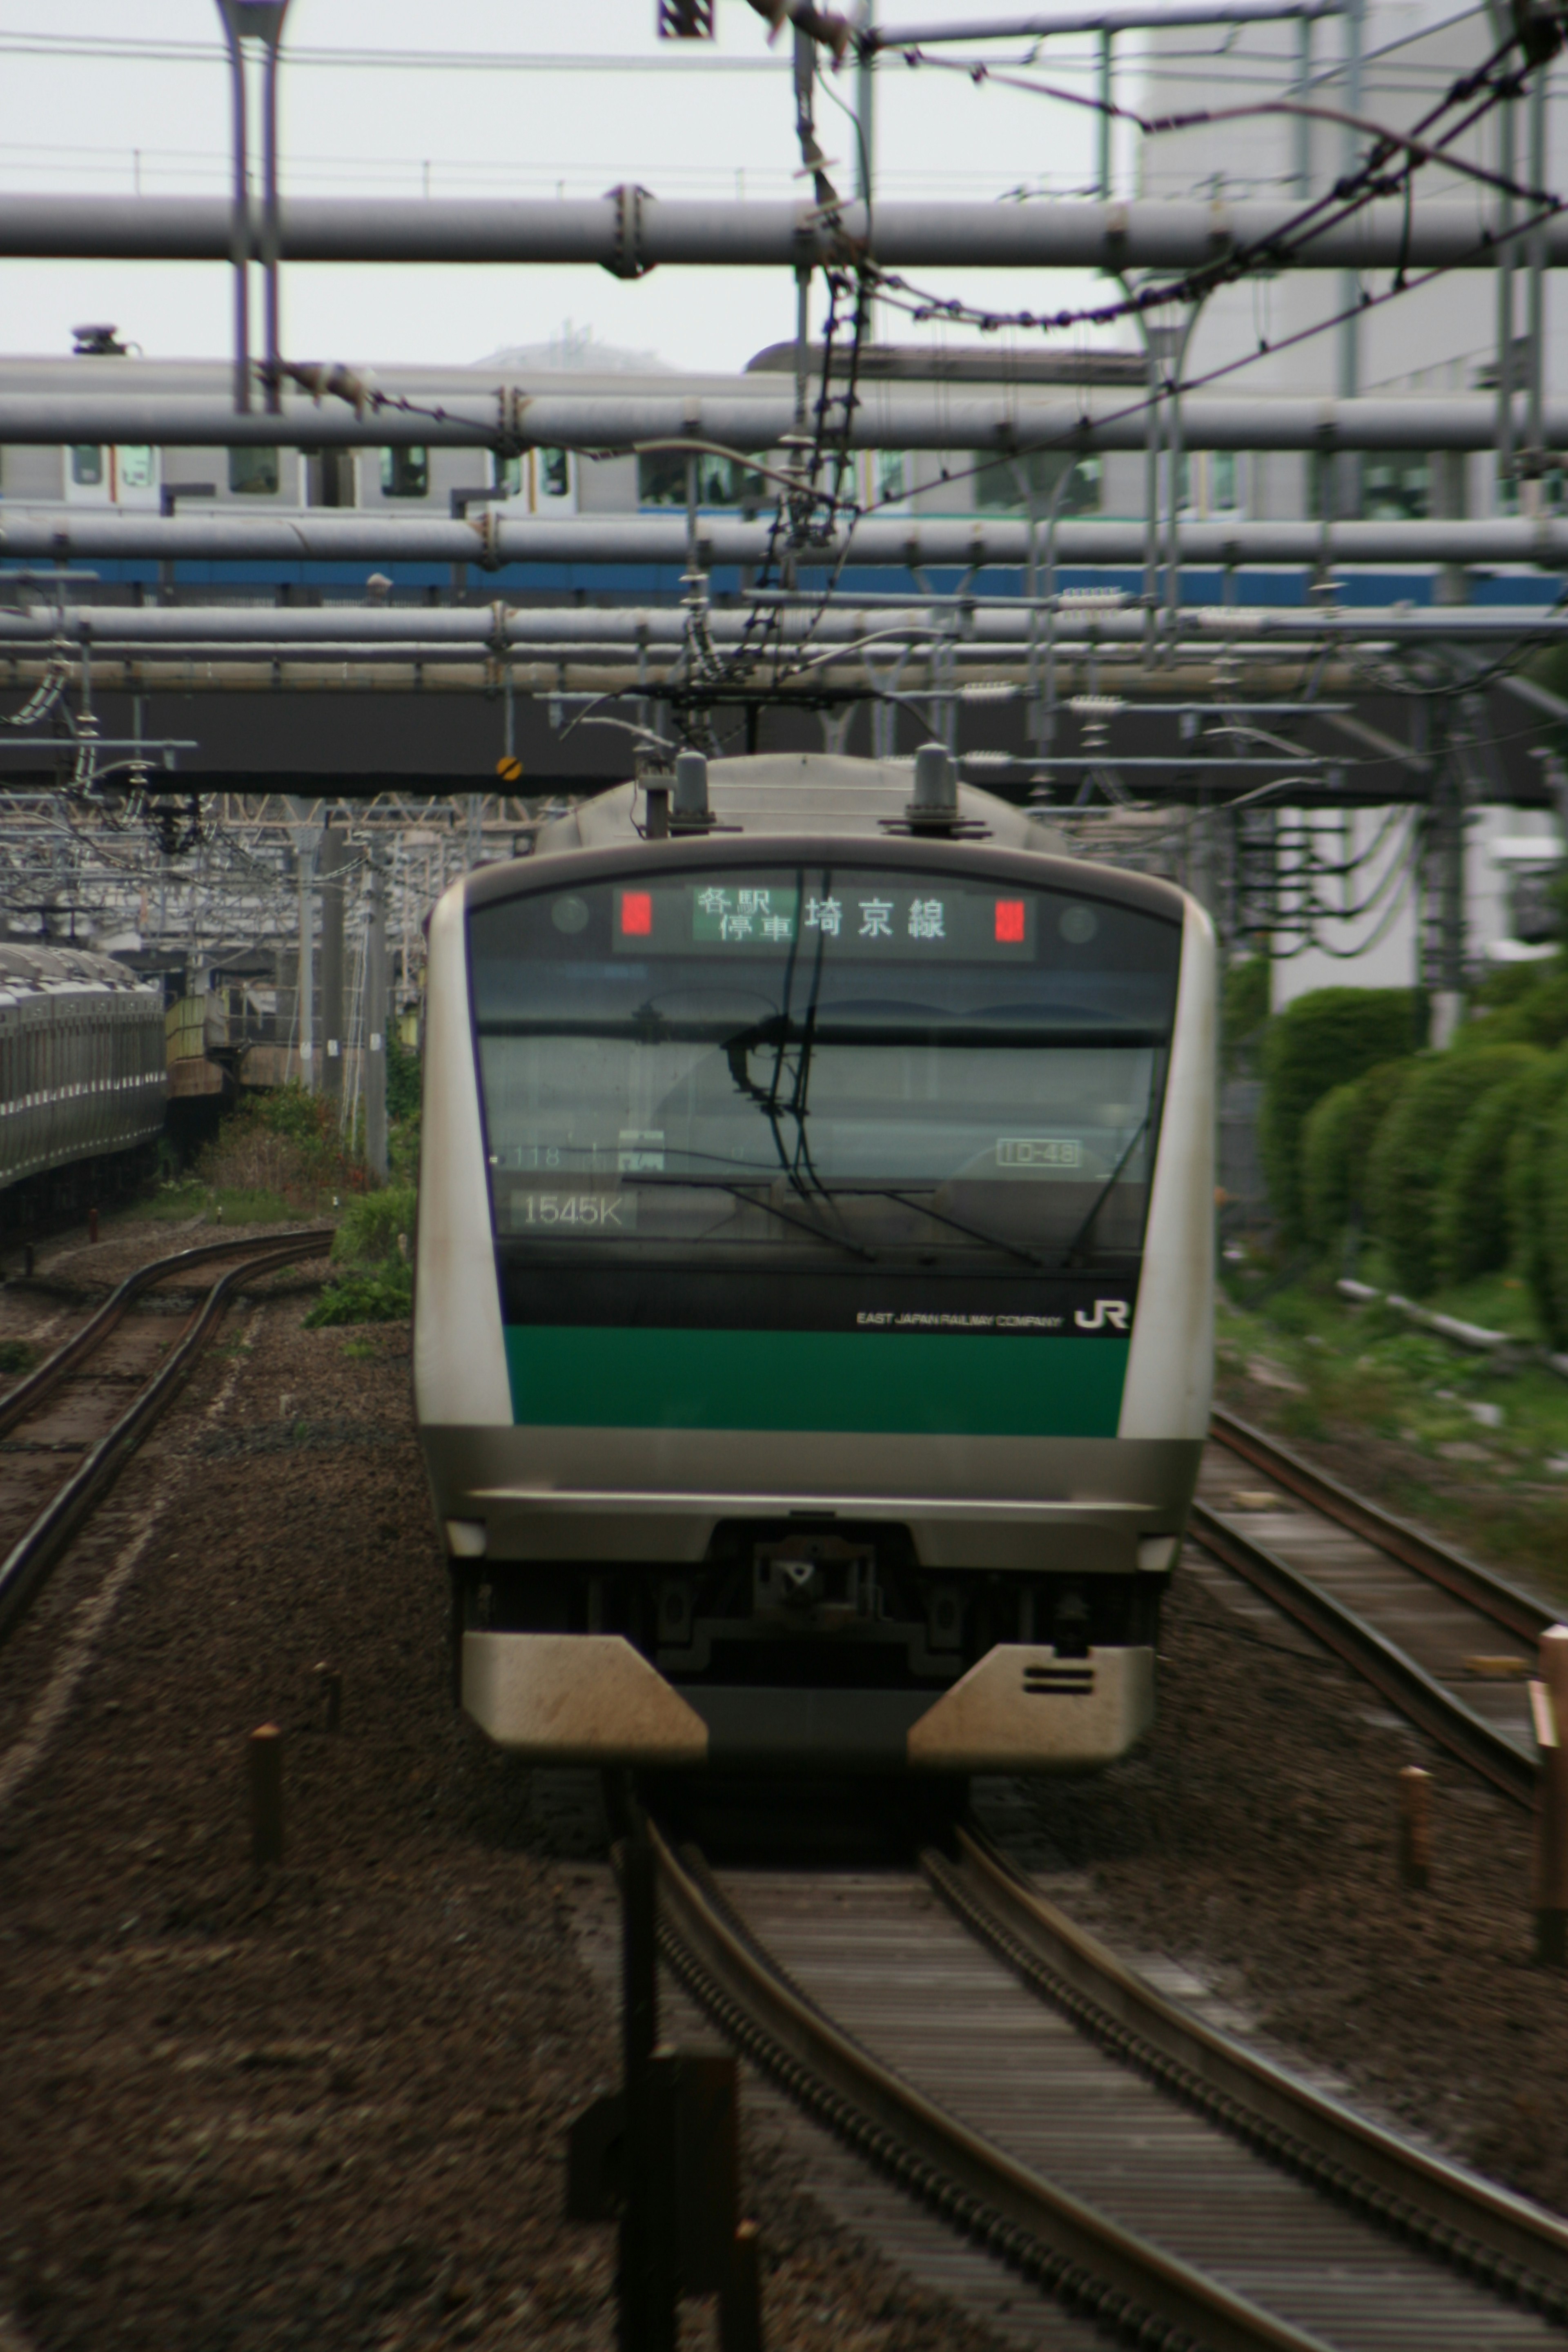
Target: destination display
(865,916)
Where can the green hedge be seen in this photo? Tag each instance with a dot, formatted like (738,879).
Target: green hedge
(1537,1195)
(1470,1232)
(1243,1010)
(1411,1145)
(1335,1144)
(1323,1040)
(373,1258)
(1526,1004)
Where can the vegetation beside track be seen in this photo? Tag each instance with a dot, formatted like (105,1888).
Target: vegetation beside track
(1476,1446)
(287,1154)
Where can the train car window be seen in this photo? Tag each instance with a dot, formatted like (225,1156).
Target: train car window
(554,476)
(252,473)
(136,468)
(668,478)
(795,1057)
(87,464)
(406,472)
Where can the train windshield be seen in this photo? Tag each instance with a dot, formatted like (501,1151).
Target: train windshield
(823,1059)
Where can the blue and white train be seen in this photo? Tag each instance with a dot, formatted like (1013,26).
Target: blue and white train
(82,1074)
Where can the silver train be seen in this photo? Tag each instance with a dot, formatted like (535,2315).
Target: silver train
(82,1070)
(814,1302)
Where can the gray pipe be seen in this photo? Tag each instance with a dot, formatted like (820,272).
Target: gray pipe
(943,542)
(355,632)
(885,417)
(1078,234)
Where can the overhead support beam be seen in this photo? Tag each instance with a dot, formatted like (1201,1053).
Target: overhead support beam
(1127,16)
(348,631)
(884,416)
(493,541)
(631,226)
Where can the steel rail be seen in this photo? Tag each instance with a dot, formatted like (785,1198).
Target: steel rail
(1406,1686)
(1093,2263)
(28,1565)
(1508,1605)
(21,1401)
(1480,2229)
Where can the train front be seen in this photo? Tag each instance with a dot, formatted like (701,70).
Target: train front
(814,1309)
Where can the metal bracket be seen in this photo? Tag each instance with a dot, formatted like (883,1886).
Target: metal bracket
(626,261)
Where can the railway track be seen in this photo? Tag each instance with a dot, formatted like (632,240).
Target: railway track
(1143,2173)
(1447,1642)
(74,1405)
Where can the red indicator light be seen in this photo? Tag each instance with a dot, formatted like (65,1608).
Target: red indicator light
(1010,921)
(637,915)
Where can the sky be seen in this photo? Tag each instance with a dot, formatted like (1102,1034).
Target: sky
(151,111)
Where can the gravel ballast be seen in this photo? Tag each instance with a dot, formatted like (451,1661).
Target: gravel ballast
(322,2103)
(326,2104)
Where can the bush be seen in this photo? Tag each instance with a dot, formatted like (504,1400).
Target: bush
(366,1294)
(1243,1010)
(284,1142)
(402,1079)
(1335,1144)
(373,1246)
(1543,1194)
(1412,1146)
(1470,1210)
(1323,1040)
(1525,1184)
(1531,1011)
(370,1225)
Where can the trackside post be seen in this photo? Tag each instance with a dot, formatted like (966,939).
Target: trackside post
(647,2284)
(1416,1827)
(265,1748)
(1549,1711)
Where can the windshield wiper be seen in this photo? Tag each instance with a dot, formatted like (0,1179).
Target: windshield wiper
(748,1193)
(975,1233)
(1103,1194)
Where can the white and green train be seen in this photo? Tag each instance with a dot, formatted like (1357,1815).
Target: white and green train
(814,1308)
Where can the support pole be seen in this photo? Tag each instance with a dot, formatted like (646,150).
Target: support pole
(271,239)
(805,132)
(1448,893)
(1538,124)
(331,860)
(373,1029)
(239,233)
(1303,129)
(305,961)
(1107,87)
(1506,159)
(865,110)
(1344,500)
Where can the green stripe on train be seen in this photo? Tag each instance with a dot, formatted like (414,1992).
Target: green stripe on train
(589,1377)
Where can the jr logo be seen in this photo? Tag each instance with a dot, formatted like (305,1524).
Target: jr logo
(1110,1315)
